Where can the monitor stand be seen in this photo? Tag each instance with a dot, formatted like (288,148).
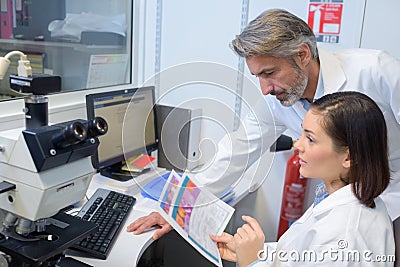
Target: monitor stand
(115,172)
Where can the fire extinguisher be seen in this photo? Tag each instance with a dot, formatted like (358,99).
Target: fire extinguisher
(294,188)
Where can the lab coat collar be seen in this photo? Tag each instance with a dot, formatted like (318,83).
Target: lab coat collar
(300,110)
(332,72)
(342,196)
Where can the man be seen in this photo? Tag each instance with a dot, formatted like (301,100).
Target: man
(281,51)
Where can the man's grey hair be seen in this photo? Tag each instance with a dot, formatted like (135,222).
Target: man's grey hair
(276,33)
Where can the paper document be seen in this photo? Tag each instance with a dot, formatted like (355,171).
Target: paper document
(107,70)
(138,163)
(194,213)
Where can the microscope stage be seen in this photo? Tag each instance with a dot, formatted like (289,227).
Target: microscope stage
(37,252)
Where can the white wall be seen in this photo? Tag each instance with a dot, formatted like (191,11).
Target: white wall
(380,28)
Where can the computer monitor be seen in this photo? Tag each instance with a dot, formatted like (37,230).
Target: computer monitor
(131,119)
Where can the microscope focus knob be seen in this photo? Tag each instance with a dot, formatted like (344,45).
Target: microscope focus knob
(4,260)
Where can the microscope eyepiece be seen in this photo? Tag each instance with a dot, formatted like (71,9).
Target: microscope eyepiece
(64,142)
(78,131)
(72,133)
(97,126)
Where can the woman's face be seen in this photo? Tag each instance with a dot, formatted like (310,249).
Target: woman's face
(318,158)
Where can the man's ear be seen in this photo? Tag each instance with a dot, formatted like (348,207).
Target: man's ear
(347,162)
(304,55)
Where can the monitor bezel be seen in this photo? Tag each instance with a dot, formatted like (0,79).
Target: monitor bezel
(118,160)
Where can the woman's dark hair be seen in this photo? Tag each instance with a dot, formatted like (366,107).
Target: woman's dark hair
(355,122)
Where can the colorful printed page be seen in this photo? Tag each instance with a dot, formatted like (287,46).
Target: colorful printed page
(194,213)
(137,163)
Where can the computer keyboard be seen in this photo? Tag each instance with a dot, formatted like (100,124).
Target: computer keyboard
(108,209)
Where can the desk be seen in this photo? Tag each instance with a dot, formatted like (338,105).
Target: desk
(128,248)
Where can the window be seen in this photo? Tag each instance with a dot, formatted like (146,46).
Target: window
(88,43)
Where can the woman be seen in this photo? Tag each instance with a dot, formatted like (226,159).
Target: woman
(344,142)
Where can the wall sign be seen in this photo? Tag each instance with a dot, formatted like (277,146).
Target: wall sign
(325,18)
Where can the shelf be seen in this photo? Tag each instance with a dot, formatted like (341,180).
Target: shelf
(16,42)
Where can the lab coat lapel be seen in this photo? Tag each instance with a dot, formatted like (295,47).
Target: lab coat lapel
(332,73)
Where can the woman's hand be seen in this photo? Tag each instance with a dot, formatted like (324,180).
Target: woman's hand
(248,241)
(226,246)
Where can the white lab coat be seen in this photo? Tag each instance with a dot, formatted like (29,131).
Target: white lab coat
(372,72)
(339,231)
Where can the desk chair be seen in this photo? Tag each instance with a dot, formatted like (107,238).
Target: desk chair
(396,228)
(172,250)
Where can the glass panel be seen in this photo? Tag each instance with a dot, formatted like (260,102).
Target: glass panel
(87,43)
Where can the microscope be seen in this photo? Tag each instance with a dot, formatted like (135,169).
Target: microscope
(43,169)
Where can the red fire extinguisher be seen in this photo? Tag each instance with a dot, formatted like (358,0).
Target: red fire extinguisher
(293,194)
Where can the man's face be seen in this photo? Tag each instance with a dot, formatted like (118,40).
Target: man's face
(278,77)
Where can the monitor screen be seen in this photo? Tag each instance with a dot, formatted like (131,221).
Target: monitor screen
(130,115)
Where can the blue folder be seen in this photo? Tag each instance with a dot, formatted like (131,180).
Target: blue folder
(154,188)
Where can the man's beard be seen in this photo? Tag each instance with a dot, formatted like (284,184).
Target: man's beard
(293,94)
